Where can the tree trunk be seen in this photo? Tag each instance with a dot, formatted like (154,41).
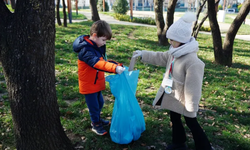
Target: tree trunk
(170,14)
(64,14)
(58,13)
(27,46)
(94,12)
(76,7)
(217,43)
(196,27)
(69,10)
(13,4)
(162,40)
(230,36)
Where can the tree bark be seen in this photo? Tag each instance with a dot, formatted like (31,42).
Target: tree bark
(58,13)
(94,12)
(64,14)
(76,7)
(27,44)
(230,36)
(162,40)
(170,14)
(13,4)
(216,34)
(196,27)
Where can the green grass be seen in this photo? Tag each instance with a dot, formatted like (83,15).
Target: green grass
(75,16)
(224,108)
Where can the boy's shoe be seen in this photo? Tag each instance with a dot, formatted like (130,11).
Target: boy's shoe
(98,129)
(177,147)
(104,122)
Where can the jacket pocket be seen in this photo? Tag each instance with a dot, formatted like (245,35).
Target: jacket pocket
(177,90)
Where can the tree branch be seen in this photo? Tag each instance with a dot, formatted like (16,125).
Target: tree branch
(197,17)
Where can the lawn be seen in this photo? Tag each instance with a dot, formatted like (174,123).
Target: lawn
(224,108)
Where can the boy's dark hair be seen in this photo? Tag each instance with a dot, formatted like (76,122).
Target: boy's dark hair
(101,28)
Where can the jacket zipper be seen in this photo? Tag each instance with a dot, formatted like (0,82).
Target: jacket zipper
(96,76)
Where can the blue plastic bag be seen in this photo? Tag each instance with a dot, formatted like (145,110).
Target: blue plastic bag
(127,122)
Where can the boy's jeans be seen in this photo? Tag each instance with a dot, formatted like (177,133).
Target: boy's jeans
(95,103)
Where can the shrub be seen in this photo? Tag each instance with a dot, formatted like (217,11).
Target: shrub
(121,17)
(220,7)
(100,6)
(120,6)
(208,29)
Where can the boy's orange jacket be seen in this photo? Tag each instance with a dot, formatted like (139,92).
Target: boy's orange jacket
(91,65)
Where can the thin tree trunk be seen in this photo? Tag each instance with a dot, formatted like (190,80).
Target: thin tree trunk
(58,13)
(94,12)
(216,34)
(230,36)
(76,7)
(13,4)
(162,40)
(27,46)
(64,14)
(196,27)
(170,14)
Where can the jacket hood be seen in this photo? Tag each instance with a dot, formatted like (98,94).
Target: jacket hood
(82,41)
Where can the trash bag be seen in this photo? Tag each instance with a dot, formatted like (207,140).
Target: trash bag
(127,121)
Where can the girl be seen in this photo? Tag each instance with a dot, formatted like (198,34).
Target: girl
(180,90)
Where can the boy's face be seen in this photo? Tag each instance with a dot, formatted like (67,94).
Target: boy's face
(100,41)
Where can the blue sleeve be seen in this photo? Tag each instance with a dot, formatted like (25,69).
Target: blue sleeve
(88,56)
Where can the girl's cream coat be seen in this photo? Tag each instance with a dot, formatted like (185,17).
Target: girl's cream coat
(187,75)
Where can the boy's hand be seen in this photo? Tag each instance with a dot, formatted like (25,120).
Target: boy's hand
(119,69)
(137,53)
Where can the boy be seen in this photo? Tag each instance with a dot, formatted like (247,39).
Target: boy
(92,64)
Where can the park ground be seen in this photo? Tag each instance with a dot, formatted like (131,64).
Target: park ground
(224,108)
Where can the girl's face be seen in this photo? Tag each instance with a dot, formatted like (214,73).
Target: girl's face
(175,44)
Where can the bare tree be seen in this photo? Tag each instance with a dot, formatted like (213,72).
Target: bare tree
(94,12)
(170,14)
(223,55)
(76,7)
(160,24)
(27,54)
(64,14)
(58,13)
(13,4)
(197,25)
(230,36)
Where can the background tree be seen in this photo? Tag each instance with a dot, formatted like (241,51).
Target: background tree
(160,24)
(76,5)
(120,6)
(159,21)
(197,25)
(100,6)
(223,55)
(27,54)
(94,12)
(64,14)
(230,36)
(58,13)
(13,4)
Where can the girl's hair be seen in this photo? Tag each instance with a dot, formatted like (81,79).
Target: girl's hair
(101,28)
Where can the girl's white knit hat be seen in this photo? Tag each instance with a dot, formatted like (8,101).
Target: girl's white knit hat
(181,30)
